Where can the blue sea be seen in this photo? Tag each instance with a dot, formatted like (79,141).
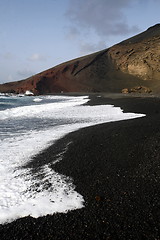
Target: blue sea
(28,125)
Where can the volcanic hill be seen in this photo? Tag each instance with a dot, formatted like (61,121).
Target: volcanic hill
(126,65)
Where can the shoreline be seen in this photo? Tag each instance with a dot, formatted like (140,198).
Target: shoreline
(115,166)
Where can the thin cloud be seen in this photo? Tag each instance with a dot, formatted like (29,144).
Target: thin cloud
(104,17)
(72,33)
(25,73)
(8,56)
(37,57)
(86,47)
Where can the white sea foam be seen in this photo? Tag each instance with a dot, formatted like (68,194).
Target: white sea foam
(24,192)
(37,99)
(43,110)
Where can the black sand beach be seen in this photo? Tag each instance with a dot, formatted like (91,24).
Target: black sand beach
(116,168)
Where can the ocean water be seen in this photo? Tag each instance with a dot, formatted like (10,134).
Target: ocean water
(28,125)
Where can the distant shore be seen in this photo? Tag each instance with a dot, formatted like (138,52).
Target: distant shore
(116,168)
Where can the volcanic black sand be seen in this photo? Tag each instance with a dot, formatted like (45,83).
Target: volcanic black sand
(116,168)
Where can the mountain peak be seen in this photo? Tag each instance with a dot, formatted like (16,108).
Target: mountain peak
(156,26)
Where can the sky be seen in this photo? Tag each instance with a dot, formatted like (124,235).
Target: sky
(36,35)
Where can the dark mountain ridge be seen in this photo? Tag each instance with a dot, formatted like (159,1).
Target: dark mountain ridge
(130,63)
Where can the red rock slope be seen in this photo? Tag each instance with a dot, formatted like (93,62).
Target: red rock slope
(133,62)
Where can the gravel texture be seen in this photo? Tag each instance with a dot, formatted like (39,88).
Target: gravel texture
(116,168)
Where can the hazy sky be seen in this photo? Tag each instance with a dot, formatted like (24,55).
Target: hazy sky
(38,34)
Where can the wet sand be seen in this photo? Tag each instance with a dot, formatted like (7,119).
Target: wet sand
(116,168)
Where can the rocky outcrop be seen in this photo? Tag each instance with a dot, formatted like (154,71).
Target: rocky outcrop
(125,90)
(133,62)
(139,58)
(137,89)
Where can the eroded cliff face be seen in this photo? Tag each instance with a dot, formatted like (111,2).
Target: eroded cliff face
(139,59)
(133,62)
